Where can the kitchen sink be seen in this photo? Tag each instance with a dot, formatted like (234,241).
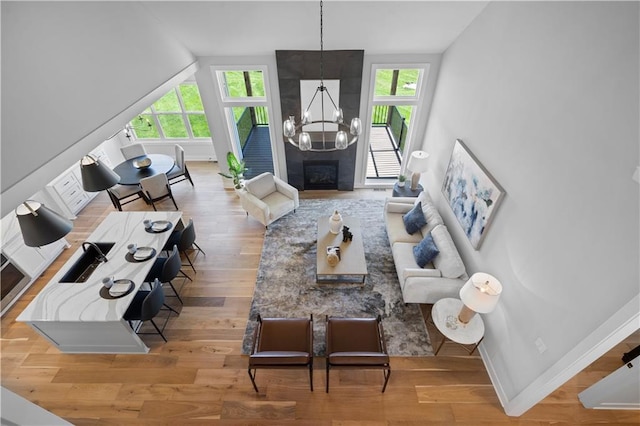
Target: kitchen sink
(86,265)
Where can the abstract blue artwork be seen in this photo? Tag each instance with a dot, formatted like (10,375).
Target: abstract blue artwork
(471,192)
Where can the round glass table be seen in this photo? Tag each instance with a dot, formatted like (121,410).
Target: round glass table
(131,175)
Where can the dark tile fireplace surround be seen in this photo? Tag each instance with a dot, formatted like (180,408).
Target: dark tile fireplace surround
(343,65)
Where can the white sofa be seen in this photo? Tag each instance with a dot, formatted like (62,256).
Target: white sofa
(445,274)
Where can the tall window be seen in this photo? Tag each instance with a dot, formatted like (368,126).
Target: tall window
(244,96)
(177,115)
(396,94)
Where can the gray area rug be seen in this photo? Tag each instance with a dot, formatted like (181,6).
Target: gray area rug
(286,285)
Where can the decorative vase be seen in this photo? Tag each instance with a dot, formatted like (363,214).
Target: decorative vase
(335,223)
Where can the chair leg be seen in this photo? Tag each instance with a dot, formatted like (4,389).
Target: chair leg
(327,390)
(253,378)
(311,376)
(176,293)
(171,196)
(387,373)
(199,249)
(190,262)
(158,330)
(186,173)
(171,309)
(185,275)
(153,205)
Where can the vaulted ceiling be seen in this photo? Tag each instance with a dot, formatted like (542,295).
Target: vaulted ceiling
(210,28)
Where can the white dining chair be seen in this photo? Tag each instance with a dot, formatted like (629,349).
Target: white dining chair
(179,171)
(157,188)
(123,194)
(133,151)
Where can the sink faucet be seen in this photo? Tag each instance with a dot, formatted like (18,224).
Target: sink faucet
(101,255)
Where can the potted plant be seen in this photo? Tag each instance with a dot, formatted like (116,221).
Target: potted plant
(401,180)
(236,170)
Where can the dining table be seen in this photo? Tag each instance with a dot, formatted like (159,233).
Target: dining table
(131,175)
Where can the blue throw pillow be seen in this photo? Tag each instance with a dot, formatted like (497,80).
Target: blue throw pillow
(414,219)
(425,251)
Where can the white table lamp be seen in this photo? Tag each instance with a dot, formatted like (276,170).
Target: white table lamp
(480,294)
(418,163)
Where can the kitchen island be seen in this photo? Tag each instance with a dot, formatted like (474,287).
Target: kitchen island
(74,316)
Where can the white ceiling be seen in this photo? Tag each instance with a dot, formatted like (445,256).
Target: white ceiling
(213,28)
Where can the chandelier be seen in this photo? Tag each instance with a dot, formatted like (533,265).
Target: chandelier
(342,139)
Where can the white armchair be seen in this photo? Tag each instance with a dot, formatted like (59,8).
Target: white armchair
(267,198)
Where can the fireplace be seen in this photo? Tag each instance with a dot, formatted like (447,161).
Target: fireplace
(320,174)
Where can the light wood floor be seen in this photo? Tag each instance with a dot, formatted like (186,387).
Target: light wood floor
(200,377)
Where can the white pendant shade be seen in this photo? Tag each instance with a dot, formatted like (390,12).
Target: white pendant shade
(356,126)
(342,140)
(304,143)
(289,127)
(306,117)
(338,116)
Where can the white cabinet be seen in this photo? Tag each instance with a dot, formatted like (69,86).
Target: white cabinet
(67,193)
(66,190)
(31,260)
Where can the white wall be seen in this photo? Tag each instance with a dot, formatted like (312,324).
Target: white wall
(69,71)
(545,94)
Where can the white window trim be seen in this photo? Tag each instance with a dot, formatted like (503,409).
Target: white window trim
(190,138)
(416,116)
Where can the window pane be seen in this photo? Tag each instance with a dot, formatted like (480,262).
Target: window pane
(144,127)
(383,82)
(191,97)
(405,85)
(168,103)
(172,125)
(199,126)
(237,85)
(407,82)
(257,83)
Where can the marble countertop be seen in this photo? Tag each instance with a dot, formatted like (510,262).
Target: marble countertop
(81,302)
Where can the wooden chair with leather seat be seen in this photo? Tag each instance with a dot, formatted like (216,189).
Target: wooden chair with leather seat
(357,343)
(157,188)
(282,343)
(123,194)
(132,151)
(179,171)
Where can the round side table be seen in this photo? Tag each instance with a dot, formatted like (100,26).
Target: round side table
(445,317)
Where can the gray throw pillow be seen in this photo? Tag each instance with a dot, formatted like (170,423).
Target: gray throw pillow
(414,219)
(425,251)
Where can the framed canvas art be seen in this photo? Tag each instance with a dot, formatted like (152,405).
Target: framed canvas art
(471,192)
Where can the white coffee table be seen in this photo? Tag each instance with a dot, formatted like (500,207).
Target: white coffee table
(352,267)
(444,314)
